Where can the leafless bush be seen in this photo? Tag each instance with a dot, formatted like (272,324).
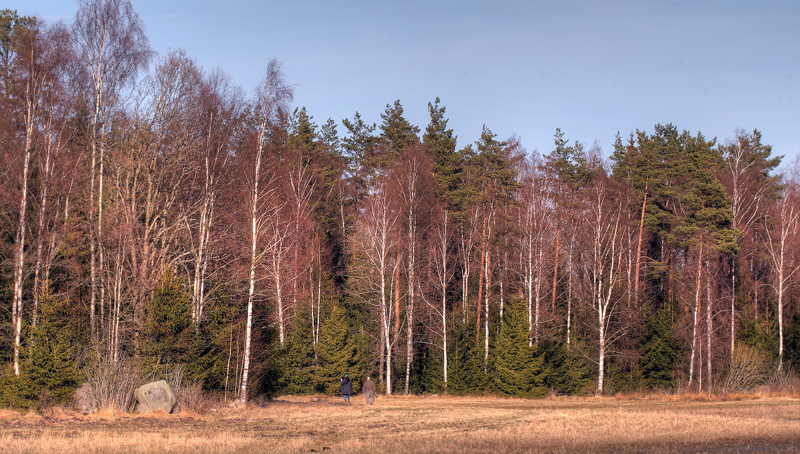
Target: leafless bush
(112,383)
(174,377)
(747,370)
(193,398)
(783,381)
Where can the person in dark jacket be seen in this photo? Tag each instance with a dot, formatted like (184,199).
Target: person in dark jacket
(369,391)
(347,387)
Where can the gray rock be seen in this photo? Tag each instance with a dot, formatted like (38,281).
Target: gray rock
(155,396)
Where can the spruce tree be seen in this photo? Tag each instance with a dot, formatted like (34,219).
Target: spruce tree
(302,131)
(167,333)
(569,371)
(341,351)
(49,369)
(213,343)
(519,370)
(467,370)
(659,351)
(297,364)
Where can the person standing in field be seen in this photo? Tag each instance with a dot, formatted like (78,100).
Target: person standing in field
(347,387)
(369,391)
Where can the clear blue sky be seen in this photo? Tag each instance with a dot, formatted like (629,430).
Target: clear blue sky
(590,67)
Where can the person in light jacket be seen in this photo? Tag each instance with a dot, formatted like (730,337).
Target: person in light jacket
(369,391)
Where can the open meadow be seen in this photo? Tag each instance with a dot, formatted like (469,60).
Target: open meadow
(424,424)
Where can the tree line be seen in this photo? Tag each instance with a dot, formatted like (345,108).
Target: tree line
(157,219)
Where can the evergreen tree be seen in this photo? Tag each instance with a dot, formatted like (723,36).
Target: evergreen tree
(427,370)
(467,370)
(396,132)
(569,371)
(330,137)
(341,351)
(792,347)
(212,346)
(659,351)
(167,334)
(519,370)
(49,369)
(569,162)
(302,131)
(359,151)
(297,363)
(442,143)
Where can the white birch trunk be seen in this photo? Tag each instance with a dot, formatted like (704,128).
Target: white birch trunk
(606,261)
(19,237)
(255,198)
(779,260)
(709,328)
(695,309)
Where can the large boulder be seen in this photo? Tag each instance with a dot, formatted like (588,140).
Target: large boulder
(155,396)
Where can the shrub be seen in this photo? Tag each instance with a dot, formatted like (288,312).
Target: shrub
(112,383)
(747,370)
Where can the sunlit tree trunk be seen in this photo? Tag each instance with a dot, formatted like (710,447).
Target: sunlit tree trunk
(467,243)
(19,237)
(487,276)
(778,243)
(378,242)
(111,44)
(709,327)
(605,269)
(272,99)
(638,266)
(695,310)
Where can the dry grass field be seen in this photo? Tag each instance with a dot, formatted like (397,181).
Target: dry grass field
(685,424)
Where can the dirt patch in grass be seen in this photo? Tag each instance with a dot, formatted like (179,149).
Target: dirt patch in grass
(418,424)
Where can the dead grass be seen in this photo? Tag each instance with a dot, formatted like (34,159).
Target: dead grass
(425,425)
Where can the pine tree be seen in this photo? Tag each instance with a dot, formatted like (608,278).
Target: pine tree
(442,143)
(396,132)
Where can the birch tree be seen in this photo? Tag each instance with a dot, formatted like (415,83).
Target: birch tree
(111,45)
(279,243)
(750,188)
(269,107)
(602,223)
(535,232)
(412,186)
(39,58)
(441,258)
(150,166)
(779,239)
(53,164)
(219,113)
(378,241)
(33,79)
